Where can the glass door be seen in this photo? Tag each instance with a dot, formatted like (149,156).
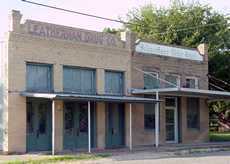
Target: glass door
(171,119)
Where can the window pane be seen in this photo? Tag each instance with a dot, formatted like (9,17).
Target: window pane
(42,118)
(193,113)
(170,116)
(151,82)
(170,102)
(79,80)
(171,79)
(30,118)
(190,83)
(114,83)
(149,116)
(69,117)
(83,118)
(38,77)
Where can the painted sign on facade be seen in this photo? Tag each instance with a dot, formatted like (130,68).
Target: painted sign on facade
(163,50)
(71,34)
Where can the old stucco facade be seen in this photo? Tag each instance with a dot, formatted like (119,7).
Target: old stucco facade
(40,42)
(23,46)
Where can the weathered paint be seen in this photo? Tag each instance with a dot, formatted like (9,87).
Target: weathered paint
(114,83)
(38,77)
(39,125)
(79,80)
(115,125)
(72,34)
(76,126)
(169,51)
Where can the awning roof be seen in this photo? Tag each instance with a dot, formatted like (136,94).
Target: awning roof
(189,92)
(81,97)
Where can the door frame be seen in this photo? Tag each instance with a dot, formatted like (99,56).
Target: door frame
(35,148)
(176,127)
(93,122)
(107,125)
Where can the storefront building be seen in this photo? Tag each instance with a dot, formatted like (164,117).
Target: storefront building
(69,89)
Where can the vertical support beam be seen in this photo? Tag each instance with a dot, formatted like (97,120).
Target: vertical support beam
(89,129)
(53,127)
(130,128)
(101,122)
(157,121)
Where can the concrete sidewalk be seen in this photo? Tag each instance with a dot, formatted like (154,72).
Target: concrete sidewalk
(162,158)
(140,157)
(147,154)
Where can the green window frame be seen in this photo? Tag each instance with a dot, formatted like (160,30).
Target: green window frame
(39,77)
(79,80)
(114,82)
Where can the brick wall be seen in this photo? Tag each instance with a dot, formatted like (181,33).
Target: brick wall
(182,68)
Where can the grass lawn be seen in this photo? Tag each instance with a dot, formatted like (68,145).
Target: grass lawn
(61,158)
(217,136)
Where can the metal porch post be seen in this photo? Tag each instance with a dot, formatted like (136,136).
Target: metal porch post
(53,127)
(130,127)
(89,129)
(157,121)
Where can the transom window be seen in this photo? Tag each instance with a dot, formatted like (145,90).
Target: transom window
(114,83)
(151,80)
(79,80)
(39,77)
(191,82)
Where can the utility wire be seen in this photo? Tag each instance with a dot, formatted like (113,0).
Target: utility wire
(118,21)
(76,12)
(191,28)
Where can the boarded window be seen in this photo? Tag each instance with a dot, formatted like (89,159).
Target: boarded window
(79,80)
(193,110)
(149,116)
(39,77)
(151,81)
(172,79)
(114,83)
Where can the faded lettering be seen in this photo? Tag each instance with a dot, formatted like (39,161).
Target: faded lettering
(46,30)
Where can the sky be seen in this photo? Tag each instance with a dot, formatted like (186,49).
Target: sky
(104,8)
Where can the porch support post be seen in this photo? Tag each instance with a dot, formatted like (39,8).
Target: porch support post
(89,129)
(53,127)
(130,128)
(157,121)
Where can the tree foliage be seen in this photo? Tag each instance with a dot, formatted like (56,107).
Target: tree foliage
(186,24)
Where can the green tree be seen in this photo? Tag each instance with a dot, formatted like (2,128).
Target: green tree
(186,24)
(111,30)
